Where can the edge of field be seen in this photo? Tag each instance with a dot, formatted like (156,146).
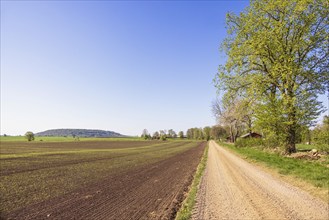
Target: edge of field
(269,164)
(185,212)
(65,139)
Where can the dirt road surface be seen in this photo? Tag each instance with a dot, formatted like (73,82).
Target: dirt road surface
(232,188)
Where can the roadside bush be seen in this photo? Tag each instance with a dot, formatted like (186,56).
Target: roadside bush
(321,140)
(249,142)
(273,143)
(321,135)
(324,147)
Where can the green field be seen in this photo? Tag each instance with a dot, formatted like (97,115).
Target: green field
(32,172)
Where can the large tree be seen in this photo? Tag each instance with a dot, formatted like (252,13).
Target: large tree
(232,112)
(218,132)
(145,134)
(172,133)
(278,54)
(206,132)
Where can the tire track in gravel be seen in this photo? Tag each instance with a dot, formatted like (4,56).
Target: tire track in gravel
(232,188)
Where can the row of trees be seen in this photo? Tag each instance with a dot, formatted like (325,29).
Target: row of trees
(162,134)
(206,133)
(277,64)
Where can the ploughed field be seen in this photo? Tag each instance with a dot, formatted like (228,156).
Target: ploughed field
(95,179)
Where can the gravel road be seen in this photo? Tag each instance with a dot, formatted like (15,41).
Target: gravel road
(232,188)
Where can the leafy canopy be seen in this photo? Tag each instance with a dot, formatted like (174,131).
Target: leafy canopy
(278,55)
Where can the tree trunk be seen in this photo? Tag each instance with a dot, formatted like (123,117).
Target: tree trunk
(231,134)
(247,120)
(291,146)
(236,135)
(291,134)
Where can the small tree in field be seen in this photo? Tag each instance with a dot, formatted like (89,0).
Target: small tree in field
(145,134)
(172,133)
(181,134)
(156,135)
(163,137)
(29,135)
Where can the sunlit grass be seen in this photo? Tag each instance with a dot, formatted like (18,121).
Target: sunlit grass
(314,172)
(305,147)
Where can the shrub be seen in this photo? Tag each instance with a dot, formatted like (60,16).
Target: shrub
(163,137)
(321,140)
(249,142)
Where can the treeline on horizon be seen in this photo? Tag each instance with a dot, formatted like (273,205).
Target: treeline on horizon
(216,132)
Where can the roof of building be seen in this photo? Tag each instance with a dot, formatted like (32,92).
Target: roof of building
(250,134)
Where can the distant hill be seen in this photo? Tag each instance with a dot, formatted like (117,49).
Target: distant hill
(79,133)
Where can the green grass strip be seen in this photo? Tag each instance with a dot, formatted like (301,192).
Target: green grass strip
(185,212)
(314,172)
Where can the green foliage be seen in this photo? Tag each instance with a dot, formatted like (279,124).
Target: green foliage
(181,134)
(145,135)
(218,132)
(303,147)
(278,56)
(195,133)
(304,135)
(185,211)
(273,140)
(321,135)
(206,132)
(156,135)
(171,133)
(249,142)
(163,137)
(29,136)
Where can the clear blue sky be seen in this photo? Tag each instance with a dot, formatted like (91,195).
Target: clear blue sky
(120,66)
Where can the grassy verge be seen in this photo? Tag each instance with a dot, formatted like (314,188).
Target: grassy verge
(305,147)
(185,211)
(314,172)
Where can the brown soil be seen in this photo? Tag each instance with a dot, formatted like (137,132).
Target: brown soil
(79,144)
(232,188)
(34,165)
(154,191)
